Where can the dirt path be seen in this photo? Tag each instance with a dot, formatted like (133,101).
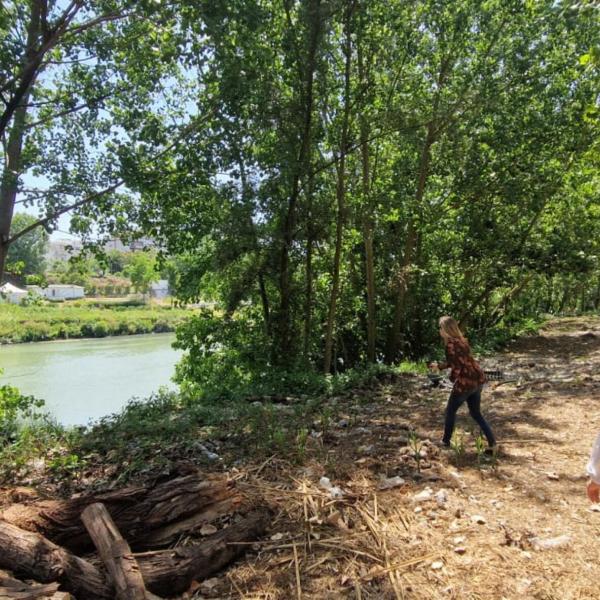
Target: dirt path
(458,527)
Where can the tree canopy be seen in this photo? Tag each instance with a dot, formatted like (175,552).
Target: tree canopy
(334,174)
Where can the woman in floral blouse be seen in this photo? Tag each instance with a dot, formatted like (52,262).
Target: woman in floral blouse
(468,379)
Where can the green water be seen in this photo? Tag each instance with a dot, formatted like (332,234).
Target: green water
(82,380)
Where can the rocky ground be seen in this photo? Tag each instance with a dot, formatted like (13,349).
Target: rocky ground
(451,524)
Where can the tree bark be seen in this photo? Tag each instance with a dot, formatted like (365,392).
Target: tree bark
(115,553)
(31,555)
(146,517)
(14,147)
(284,320)
(368,211)
(165,572)
(341,198)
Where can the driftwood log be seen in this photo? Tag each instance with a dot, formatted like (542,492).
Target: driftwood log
(165,572)
(147,518)
(13,589)
(32,556)
(124,572)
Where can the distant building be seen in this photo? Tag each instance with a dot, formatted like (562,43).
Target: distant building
(159,289)
(57,291)
(11,293)
(63,249)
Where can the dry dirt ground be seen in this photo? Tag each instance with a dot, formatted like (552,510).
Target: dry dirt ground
(460,525)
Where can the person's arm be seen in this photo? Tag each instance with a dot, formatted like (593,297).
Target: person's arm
(593,469)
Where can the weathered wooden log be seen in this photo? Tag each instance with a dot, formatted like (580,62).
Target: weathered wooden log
(143,515)
(115,553)
(14,589)
(170,572)
(31,555)
(165,572)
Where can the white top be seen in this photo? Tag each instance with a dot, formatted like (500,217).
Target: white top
(593,467)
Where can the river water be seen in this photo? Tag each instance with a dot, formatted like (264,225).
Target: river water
(83,380)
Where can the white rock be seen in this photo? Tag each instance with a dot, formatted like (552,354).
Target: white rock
(423,496)
(550,543)
(387,483)
(436,566)
(276,537)
(441,497)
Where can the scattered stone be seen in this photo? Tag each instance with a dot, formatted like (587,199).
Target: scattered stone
(343,423)
(550,543)
(423,496)
(595,508)
(366,449)
(277,537)
(436,566)
(460,550)
(478,519)
(387,483)
(441,497)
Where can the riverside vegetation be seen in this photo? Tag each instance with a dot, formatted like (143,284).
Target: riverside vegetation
(88,318)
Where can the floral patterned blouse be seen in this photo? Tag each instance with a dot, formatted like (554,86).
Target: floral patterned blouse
(465,373)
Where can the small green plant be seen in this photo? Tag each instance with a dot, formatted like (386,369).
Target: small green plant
(457,444)
(301,440)
(416,446)
(326,419)
(480,445)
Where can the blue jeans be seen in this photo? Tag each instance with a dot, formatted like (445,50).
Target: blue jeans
(473,399)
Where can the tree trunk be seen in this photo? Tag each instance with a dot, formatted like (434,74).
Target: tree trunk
(165,572)
(14,147)
(368,212)
(284,321)
(146,517)
(308,296)
(115,553)
(32,556)
(341,199)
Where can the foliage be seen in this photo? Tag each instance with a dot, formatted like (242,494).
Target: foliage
(28,251)
(141,270)
(14,407)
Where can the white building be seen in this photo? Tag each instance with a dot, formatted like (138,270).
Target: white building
(11,293)
(159,289)
(57,291)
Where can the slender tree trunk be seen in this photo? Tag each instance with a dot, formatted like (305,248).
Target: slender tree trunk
(368,214)
(14,147)
(308,297)
(341,198)
(289,222)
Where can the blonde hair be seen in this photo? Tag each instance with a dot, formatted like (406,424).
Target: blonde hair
(450,328)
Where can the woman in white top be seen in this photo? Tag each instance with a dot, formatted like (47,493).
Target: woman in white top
(593,469)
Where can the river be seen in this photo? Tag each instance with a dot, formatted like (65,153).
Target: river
(83,380)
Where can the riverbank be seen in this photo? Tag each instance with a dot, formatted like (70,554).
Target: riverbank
(85,319)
